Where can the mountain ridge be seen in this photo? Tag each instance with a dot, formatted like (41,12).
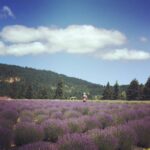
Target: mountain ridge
(47,79)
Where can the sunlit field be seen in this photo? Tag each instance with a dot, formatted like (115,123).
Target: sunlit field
(74,125)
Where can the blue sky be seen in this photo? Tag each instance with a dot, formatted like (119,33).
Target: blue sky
(95,40)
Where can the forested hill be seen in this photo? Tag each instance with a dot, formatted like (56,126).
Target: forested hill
(16,82)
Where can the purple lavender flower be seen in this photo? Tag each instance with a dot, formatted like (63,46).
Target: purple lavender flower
(27,133)
(76,142)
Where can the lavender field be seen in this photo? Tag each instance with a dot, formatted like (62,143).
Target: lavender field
(64,125)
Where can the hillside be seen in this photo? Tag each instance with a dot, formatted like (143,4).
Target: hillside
(15,81)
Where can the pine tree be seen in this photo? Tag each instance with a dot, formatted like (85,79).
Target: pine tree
(59,90)
(147,90)
(107,94)
(141,91)
(133,90)
(116,91)
(13,90)
(29,92)
(43,93)
(123,95)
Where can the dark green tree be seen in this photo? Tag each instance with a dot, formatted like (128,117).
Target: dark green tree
(29,92)
(107,94)
(43,93)
(14,90)
(116,91)
(147,90)
(141,92)
(133,90)
(59,94)
(123,95)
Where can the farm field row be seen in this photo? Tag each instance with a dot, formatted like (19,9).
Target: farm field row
(65,125)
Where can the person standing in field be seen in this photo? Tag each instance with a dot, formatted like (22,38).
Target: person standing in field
(84,97)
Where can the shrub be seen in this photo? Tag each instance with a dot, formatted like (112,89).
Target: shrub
(27,133)
(75,125)
(91,123)
(52,130)
(40,118)
(142,130)
(104,139)
(76,142)
(105,120)
(5,138)
(85,111)
(6,123)
(10,115)
(118,118)
(126,137)
(57,115)
(39,146)
(26,116)
(72,114)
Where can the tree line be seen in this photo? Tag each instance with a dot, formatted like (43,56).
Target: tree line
(134,91)
(41,84)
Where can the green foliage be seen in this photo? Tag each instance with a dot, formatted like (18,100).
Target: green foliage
(29,92)
(27,133)
(147,90)
(116,91)
(133,90)
(43,94)
(141,92)
(107,94)
(5,138)
(59,90)
(52,132)
(123,95)
(43,83)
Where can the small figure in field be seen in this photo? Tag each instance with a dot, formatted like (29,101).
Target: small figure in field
(85,97)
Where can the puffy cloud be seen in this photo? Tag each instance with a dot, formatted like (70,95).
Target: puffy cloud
(124,54)
(20,40)
(72,39)
(6,12)
(22,49)
(143,39)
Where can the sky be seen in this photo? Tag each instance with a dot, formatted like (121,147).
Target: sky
(94,40)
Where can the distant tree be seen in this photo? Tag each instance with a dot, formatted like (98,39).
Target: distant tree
(29,92)
(14,90)
(43,93)
(59,90)
(116,91)
(123,95)
(147,90)
(141,92)
(133,90)
(107,94)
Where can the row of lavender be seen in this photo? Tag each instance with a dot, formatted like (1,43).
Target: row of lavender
(73,125)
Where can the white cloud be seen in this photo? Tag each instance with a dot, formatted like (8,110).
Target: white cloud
(124,54)
(6,12)
(72,39)
(143,39)
(20,40)
(22,49)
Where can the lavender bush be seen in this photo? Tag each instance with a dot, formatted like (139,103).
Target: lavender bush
(104,139)
(39,146)
(5,138)
(27,133)
(10,115)
(126,137)
(76,142)
(52,130)
(142,130)
(100,125)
